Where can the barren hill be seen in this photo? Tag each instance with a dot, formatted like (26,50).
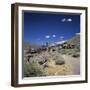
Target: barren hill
(75,40)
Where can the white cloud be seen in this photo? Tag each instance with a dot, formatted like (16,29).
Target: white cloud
(66,20)
(69,19)
(77,33)
(47,36)
(61,37)
(63,19)
(53,35)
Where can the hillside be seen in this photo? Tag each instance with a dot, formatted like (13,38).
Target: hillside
(54,60)
(75,40)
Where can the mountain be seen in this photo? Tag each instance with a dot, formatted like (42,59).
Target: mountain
(74,41)
(29,45)
(57,43)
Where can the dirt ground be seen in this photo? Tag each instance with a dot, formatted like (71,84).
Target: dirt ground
(71,66)
(74,62)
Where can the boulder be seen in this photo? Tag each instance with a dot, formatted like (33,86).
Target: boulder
(60,62)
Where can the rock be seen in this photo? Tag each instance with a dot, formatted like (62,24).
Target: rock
(76,55)
(60,62)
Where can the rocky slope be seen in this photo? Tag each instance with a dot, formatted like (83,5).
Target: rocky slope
(56,61)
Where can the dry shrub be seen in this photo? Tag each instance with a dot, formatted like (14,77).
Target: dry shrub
(33,70)
(76,55)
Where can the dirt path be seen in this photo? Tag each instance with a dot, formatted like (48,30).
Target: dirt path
(71,66)
(74,62)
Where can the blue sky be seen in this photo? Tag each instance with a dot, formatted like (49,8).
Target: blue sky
(40,28)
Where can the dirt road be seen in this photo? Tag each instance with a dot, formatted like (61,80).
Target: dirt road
(74,62)
(71,66)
